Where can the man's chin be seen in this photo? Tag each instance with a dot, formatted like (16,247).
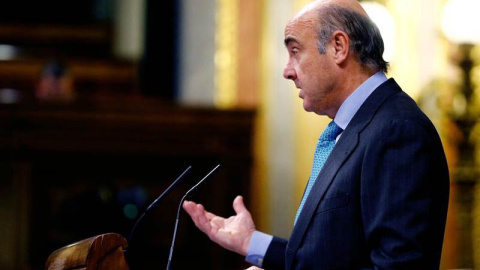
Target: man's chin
(307,107)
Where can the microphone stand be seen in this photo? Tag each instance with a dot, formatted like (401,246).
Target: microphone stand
(188,194)
(153,205)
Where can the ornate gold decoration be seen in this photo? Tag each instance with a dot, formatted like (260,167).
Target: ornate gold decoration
(226,53)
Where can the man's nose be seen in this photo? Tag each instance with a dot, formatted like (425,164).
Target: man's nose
(289,73)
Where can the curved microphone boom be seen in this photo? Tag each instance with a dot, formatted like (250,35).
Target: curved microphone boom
(157,201)
(188,194)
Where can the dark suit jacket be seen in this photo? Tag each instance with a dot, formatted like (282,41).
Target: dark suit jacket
(380,201)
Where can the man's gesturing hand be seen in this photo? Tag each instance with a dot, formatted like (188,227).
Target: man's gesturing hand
(232,233)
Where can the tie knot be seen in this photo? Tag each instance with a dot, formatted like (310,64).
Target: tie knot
(331,132)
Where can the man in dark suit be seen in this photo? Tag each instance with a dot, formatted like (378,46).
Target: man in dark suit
(380,198)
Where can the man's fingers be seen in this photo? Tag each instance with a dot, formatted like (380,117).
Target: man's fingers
(189,207)
(198,214)
(209,215)
(202,221)
(232,233)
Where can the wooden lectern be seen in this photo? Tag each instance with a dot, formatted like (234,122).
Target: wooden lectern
(102,252)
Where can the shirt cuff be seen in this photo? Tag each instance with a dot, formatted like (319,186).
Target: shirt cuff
(258,247)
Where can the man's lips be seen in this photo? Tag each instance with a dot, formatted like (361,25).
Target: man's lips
(300,90)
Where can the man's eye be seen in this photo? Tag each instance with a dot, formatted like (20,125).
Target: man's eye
(294,51)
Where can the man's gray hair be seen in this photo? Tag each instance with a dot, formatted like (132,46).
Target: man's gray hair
(365,39)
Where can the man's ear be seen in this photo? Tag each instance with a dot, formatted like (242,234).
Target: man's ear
(341,45)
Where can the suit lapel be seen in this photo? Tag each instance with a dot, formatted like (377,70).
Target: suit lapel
(347,143)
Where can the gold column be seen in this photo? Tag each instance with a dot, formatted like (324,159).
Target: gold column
(475,80)
(239,75)
(226,54)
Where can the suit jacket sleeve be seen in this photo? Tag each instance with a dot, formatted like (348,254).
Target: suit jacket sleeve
(275,257)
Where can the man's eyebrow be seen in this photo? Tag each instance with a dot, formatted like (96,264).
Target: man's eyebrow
(288,40)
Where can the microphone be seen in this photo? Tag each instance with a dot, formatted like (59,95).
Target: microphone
(187,195)
(157,201)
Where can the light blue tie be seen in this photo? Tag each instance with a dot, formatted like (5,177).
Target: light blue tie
(324,146)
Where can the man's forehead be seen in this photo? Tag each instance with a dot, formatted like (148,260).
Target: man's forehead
(305,19)
(298,26)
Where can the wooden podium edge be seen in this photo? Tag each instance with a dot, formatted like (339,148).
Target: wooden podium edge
(103,251)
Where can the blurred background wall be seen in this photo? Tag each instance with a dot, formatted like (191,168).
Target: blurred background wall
(104,101)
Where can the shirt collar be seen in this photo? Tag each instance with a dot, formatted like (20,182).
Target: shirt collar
(353,102)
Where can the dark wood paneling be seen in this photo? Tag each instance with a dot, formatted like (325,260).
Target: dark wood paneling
(89,159)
